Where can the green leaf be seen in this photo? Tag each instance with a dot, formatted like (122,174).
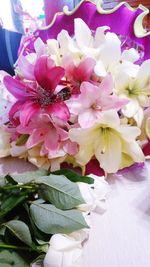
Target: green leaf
(74,176)
(10,180)
(51,220)
(27,177)
(10,203)
(9,259)
(36,231)
(20,230)
(61,192)
(22,139)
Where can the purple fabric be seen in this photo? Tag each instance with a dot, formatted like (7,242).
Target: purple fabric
(121,22)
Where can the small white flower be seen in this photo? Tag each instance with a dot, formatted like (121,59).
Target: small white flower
(66,250)
(94,195)
(135,85)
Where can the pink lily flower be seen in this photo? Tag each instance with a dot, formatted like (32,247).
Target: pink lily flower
(39,95)
(77,74)
(88,106)
(51,134)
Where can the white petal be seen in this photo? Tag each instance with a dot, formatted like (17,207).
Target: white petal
(88,196)
(111,51)
(100,69)
(100,35)
(144,74)
(83,34)
(53,258)
(110,117)
(128,68)
(130,55)
(66,43)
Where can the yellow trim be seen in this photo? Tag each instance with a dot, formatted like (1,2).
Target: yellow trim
(139,31)
(69,13)
(138,25)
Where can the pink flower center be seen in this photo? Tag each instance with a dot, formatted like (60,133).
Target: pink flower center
(96,106)
(45,98)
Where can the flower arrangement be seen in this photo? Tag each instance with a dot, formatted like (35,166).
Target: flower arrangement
(80,98)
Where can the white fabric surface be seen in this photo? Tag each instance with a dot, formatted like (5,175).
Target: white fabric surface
(121,236)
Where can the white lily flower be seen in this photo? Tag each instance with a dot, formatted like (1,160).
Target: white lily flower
(94,195)
(66,250)
(136,87)
(112,143)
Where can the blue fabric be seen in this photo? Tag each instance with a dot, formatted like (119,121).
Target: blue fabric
(8,52)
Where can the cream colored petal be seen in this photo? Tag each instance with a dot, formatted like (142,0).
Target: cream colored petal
(134,151)
(131,108)
(86,152)
(82,136)
(108,153)
(129,133)
(139,116)
(110,118)
(122,81)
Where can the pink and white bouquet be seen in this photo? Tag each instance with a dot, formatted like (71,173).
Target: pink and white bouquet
(80,97)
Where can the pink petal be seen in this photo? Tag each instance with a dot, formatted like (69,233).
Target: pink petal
(27,69)
(113,102)
(27,112)
(15,87)
(60,110)
(47,76)
(87,118)
(63,135)
(85,69)
(16,107)
(89,94)
(71,147)
(106,85)
(35,138)
(69,66)
(51,140)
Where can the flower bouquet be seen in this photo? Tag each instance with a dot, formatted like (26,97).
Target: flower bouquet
(78,107)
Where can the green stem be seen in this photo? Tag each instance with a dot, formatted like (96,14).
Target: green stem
(8,187)
(14,247)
